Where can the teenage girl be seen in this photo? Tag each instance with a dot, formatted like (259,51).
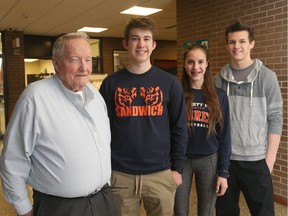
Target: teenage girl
(209,145)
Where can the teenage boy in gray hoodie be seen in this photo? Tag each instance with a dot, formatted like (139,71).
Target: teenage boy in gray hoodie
(256,119)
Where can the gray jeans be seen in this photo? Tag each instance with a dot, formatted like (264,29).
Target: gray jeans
(205,171)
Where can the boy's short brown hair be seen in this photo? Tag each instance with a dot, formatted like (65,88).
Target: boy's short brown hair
(240,26)
(141,23)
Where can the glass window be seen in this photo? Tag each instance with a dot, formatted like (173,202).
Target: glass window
(0,44)
(39,68)
(120,59)
(95,45)
(2,107)
(36,69)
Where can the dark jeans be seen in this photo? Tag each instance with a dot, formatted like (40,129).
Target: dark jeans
(254,180)
(99,204)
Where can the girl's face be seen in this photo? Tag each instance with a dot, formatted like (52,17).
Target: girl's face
(195,64)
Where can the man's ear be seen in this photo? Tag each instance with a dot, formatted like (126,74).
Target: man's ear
(125,44)
(154,45)
(252,44)
(55,64)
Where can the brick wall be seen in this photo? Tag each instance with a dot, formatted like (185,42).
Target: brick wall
(14,79)
(165,50)
(107,48)
(205,19)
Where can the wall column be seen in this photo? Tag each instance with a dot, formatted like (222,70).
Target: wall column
(13,67)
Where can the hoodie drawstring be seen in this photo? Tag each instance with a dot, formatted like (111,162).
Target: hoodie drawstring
(251,93)
(228,88)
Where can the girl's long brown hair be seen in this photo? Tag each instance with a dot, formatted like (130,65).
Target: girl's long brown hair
(209,92)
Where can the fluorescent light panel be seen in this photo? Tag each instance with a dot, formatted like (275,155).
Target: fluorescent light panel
(30,60)
(142,11)
(91,29)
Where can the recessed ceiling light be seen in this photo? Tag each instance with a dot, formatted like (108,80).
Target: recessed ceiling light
(30,60)
(91,29)
(142,11)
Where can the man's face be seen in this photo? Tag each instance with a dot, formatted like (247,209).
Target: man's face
(75,66)
(139,45)
(239,46)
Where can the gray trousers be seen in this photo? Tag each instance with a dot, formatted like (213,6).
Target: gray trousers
(98,204)
(205,171)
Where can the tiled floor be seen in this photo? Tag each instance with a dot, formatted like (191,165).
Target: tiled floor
(7,210)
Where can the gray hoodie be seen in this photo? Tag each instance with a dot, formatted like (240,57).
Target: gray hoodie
(255,110)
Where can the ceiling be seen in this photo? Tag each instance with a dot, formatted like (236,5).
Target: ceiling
(55,17)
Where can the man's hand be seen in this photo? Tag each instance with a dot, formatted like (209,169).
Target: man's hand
(221,186)
(177,177)
(30,213)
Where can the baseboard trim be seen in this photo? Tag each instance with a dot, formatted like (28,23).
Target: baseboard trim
(281,200)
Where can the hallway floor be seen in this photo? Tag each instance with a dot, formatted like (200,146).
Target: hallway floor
(280,210)
(7,210)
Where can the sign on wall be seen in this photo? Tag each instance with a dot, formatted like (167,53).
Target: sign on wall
(203,42)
